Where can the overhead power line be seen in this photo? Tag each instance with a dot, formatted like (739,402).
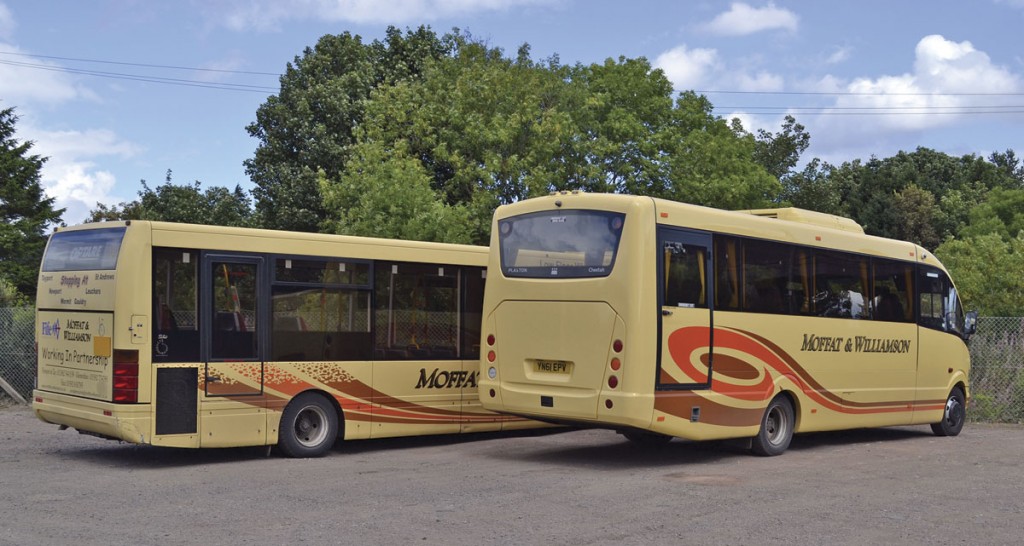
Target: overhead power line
(143,65)
(856,94)
(150,79)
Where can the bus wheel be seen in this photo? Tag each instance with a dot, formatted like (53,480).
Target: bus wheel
(953,416)
(309,426)
(776,428)
(646,439)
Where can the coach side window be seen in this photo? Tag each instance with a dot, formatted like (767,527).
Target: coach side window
(940,304)
(685,275)
(766,269)
(840,285)
(175,317)
(893,295)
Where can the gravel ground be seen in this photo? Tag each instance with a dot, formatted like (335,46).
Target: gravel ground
(882,486)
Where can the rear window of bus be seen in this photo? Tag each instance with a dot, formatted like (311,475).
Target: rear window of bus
(560,244)
(89,250)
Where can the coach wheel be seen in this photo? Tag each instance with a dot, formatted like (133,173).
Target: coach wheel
(309,426)
(647,439)
(953,416)
(776,428)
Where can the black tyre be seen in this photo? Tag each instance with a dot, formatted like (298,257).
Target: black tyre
(647,439)
(309,426)
(776,428)
(953,416)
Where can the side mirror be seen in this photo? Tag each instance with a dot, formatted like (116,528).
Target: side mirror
(970,323)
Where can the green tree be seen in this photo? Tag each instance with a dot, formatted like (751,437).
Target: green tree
(780,152)
(388,194)
(987,271)
(309,126)
(487,130)
(27,213)
(187,203)
(1002,213)
(9,295)
(816,187)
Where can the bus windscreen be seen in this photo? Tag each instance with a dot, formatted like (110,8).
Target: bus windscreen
(560,244)
(87,250)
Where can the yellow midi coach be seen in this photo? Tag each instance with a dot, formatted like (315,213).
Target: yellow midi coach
(199,336)
(662,319)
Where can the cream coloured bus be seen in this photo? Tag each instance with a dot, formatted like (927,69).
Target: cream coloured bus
(198,336)
(661,319)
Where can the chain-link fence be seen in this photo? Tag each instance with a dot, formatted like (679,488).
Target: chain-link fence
(997,370)
(17,353)
(997,359)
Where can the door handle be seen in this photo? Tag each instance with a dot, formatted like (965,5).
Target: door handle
(666,312)
(213,379)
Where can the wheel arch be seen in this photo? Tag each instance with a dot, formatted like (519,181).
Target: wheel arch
(326,396)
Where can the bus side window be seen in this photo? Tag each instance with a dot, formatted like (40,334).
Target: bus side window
(685,275)
(940,304)
(893,289)
(766,268)
(841,282)
(174,288)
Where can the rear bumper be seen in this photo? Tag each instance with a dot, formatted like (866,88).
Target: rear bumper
(127,422)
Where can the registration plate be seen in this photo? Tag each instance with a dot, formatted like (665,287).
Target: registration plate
(553,366)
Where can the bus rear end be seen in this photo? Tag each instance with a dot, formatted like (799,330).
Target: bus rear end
(88,356)
(555,343)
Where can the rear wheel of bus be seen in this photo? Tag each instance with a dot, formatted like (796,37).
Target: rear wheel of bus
(309,426)
(953,416)
(776,428)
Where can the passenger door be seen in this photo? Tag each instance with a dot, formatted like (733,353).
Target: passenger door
(233,406)
(684,298)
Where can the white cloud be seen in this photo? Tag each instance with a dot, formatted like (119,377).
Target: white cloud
(70,173)
(762,81)
(688,68)
(944,75)
(742,19)
(840,55)
(269,14)
(936,92)
(28,80)
(703,69)
(7,23)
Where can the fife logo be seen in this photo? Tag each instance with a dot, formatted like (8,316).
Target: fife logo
(51,328)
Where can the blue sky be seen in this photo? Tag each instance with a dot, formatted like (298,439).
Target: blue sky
(866,78)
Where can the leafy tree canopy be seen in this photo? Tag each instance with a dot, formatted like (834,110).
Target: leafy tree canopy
(187,203)
(486,129)
(27,213)
(987,271)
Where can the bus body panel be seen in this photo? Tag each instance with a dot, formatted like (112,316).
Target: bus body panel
(187,399)
(694,370)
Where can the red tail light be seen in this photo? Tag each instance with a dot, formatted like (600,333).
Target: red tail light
(126,376)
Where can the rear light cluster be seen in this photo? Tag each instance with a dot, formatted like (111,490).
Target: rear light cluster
(126,376)
(615,364)
(492,372)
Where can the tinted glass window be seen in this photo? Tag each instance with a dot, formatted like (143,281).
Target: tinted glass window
(685,275)
(893,299)
(320,324)
(765,277)
(90,250)
(558,244)
(175,305)
(235,289)
(840,285)
(940,304)
(416,311)
(321,271)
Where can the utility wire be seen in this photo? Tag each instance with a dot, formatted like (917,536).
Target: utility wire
(144,65)
(149,79)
